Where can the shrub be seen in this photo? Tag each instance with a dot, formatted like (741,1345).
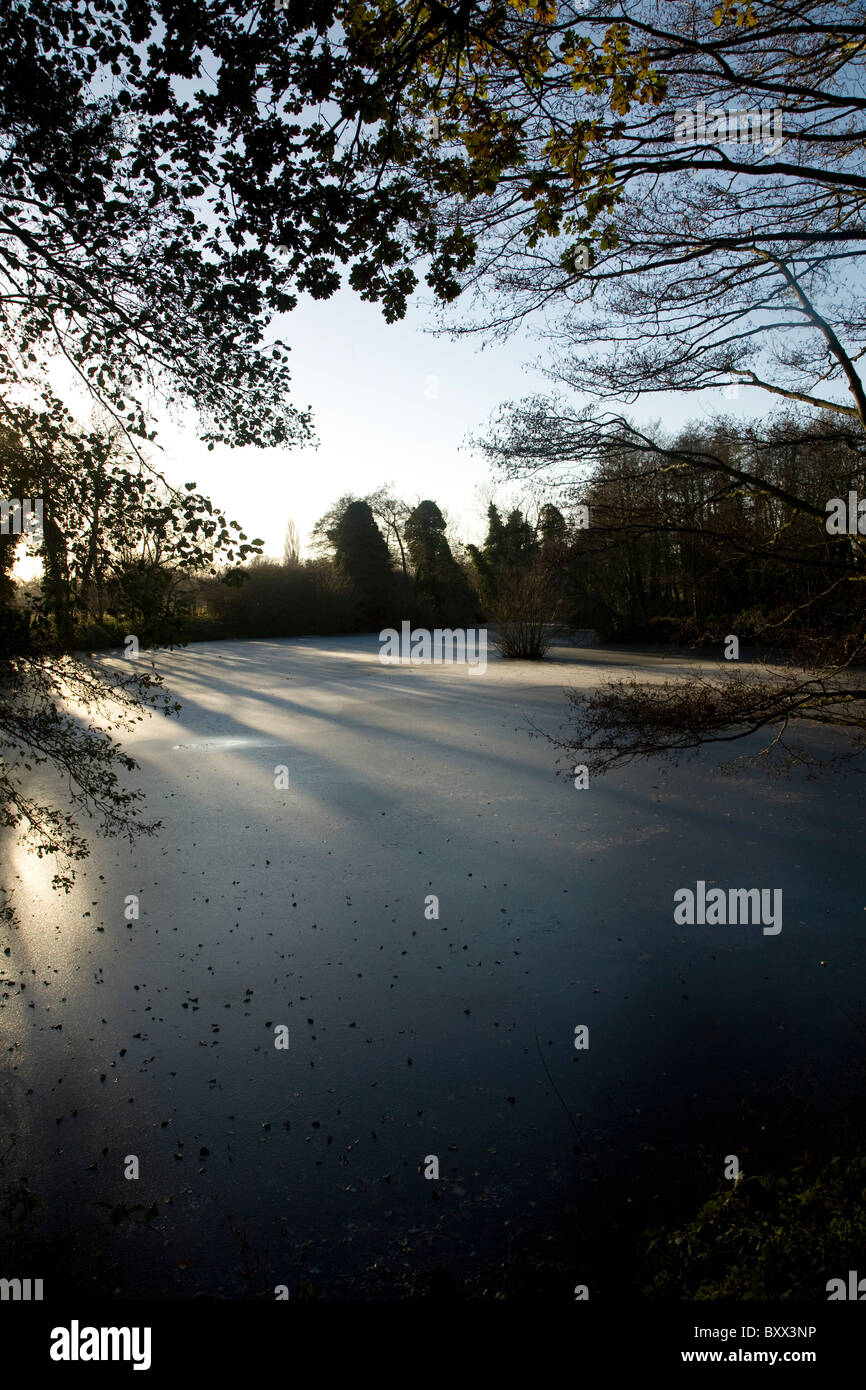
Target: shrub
(521,613)
(768,1237)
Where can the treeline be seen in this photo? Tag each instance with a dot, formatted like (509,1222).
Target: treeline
(378,562)
(122,553)
(718,530)
(721,530)
(382,562)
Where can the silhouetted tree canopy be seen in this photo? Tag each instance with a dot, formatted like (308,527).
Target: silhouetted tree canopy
(438,576)
(361,556)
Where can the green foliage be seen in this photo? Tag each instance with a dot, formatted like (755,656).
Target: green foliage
(767,1237)
(509,547)
(553,534)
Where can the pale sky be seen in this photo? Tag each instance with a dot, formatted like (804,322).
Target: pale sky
(391,403)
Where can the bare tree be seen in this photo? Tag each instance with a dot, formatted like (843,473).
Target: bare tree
(291,544)
(733,502)
(392,512)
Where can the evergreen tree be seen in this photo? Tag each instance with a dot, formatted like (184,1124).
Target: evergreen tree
(510,547)
(519,544)
(438,576)
(552,534)
(487,560)
(362,557)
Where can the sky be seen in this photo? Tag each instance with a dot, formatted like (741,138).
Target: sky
(392,403)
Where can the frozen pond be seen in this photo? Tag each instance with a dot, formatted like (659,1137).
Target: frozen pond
(309,906)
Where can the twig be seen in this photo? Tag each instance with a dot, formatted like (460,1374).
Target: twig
(574,1125)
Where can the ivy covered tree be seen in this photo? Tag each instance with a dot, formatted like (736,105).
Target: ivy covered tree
(487,558)
(552,531)
(439,579)
(361,555)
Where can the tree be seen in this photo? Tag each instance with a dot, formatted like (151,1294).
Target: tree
(553,124)
(515,584)
(321,536)
(519,544)
(509,547)
(119,542)
(291,544)
(392,512)
(587,201)
(720,529)
(575,163)
(361,556)
(144,189)
(438,576)
(150,167)
(552,532)
(699,261)
(115,542)
(487,559)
